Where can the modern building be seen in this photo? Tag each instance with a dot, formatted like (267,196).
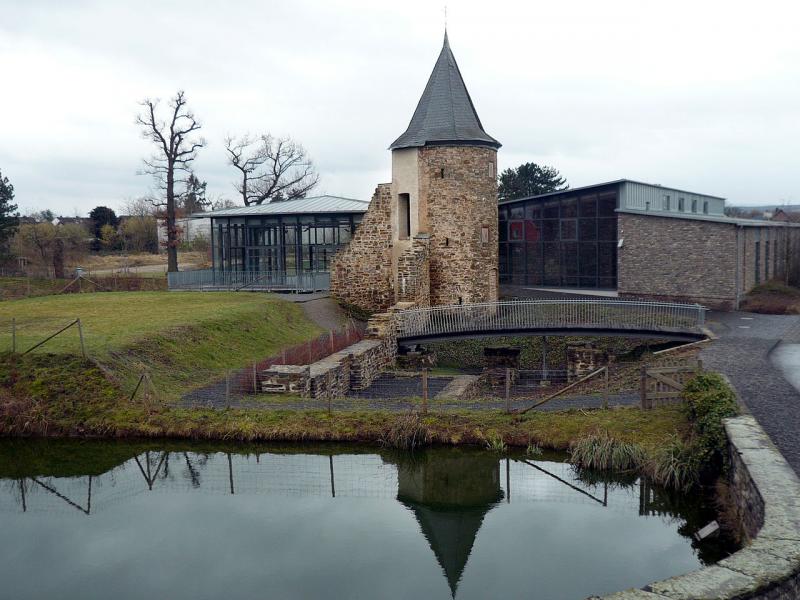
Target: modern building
(640,240)
(288,237)
(430,236)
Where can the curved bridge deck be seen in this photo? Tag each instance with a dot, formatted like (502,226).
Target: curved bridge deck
(629,318)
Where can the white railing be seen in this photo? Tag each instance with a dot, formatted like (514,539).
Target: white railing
(522,315)
(211,279)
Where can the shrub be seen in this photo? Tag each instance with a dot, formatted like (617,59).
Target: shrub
(605,452)
(407,432)
(496,444)
(709,400)
(676,465)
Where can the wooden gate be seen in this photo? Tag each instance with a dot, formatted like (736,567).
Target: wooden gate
(664,385)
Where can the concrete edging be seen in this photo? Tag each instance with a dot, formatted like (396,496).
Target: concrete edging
(767,493)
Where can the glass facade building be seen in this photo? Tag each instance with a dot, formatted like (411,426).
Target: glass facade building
(283,237)
(565,239)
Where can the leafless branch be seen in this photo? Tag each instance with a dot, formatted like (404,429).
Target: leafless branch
(270,169)
(176,147)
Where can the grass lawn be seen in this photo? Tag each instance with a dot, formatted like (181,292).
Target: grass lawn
(182,339)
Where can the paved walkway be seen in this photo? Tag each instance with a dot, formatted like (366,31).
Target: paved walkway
(743,354)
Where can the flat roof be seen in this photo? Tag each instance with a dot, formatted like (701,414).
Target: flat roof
(711,218)
(311,205)
(607,183)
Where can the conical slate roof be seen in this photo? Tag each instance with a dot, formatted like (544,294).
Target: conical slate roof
(445,113)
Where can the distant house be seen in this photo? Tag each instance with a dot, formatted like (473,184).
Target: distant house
(83,221)
(190,229)
(780,215)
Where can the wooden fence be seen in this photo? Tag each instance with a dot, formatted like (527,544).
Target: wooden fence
(664,385)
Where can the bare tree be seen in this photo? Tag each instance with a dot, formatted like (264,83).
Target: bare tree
(176,146)
(270,169)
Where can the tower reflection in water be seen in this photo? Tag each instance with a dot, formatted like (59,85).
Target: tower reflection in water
(449,491)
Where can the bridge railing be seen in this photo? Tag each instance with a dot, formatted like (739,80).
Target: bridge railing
(550,314)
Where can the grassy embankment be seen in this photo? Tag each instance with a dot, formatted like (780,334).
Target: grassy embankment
(186,340)
(183,340)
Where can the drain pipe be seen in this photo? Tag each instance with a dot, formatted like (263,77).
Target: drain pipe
(739,267)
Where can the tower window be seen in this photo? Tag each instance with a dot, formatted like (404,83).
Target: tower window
(694,206)
(403,216)
(705,207)
(666,202)
(442,172)
(681,204)
(484,235)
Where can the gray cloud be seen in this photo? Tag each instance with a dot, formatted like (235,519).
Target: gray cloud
(695,96)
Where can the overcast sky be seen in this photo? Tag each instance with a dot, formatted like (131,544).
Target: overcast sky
(697,95)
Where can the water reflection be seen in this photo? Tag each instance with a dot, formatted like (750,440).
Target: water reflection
(450,492)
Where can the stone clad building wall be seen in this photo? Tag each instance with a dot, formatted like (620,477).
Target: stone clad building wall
(361,273)
(458,191)
(687,260)
(680,260)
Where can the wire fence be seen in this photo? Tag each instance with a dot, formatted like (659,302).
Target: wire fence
(24,286)
(432,391)
(319,375)
(383,475)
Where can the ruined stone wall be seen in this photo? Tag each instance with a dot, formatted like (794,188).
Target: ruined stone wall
(458,187)
(413,273)
(679,260)
(361,272)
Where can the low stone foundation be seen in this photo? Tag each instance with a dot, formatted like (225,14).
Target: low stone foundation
(462,387)
(286,379)
(583,359)
(767,495)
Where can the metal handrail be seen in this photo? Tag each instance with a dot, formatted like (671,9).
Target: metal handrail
(550,313)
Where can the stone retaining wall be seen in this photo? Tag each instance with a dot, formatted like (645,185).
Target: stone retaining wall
(767,493)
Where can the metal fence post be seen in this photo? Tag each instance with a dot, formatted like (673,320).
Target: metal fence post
(13,335)
(424,391)
(80,335)
(508,390)
(643,388)
(255,378)
(605,389)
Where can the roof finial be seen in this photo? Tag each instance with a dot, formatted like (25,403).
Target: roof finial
(445,24)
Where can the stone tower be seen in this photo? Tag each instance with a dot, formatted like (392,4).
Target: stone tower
(431,236)
(444,195)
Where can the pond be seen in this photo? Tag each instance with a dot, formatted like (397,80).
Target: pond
(136,520)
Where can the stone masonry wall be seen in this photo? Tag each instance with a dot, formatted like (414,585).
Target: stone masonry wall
(361,272)
(766,492)
(413,273)
(680,260)
(458,186)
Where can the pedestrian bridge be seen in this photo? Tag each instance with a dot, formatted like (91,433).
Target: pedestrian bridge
(628,318)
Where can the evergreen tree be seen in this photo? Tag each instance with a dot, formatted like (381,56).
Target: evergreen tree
(9,218)
(102,216)
(194,198)
(529,179)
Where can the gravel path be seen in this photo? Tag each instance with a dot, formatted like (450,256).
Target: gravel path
(743,354)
